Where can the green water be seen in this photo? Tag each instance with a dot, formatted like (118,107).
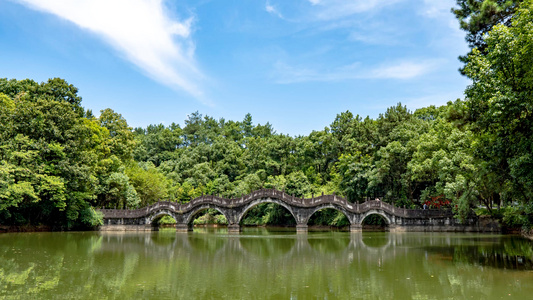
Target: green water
(264,264)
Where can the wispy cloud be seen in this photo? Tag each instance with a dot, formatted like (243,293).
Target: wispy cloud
(142,32)
(402,70)
(334,9)
(439,12)
(272,10)
(377,33)
(437,9)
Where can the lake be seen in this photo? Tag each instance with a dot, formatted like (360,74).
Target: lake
(263,263)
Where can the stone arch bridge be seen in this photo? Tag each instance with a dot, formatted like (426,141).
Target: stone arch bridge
(397,219)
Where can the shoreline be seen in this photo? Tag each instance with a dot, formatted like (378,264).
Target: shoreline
(527,234)
(26,228)
(45,228)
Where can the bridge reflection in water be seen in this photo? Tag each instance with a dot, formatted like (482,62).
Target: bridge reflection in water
(343,247)
(397,219)
(258,264)
(252,245)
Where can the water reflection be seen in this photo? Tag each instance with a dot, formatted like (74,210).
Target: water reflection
(509,253)
(376,240)
(273,247)
(329,243)
(264,264)
(203,245)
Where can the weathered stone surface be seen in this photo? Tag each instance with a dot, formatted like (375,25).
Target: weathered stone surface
(397,219)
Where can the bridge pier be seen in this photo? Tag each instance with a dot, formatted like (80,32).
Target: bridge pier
(129,227)
(394,228)
(301,228)
(356,228)
(183,227)
(234,228)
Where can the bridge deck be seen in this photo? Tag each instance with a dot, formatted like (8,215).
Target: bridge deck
(301,209)
(313,202)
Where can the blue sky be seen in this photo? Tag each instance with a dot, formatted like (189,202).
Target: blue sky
(295,64)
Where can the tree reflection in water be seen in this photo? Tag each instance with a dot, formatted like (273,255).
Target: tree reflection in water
(264,264)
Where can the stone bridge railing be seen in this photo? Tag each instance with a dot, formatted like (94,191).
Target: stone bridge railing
(273,194)
(301,208)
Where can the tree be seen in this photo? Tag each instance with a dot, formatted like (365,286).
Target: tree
(443,166)
(298,185)
(46,156)
(394,116)
(157,143)
(477,17)
(150,183)
(120,192)
(121,139)
(499,104)
(354,171)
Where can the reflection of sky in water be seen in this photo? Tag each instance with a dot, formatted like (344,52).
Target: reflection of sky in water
(264,264)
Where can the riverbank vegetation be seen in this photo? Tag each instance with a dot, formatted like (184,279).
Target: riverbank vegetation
(59,161)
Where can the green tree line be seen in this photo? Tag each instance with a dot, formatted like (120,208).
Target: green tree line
(58,161)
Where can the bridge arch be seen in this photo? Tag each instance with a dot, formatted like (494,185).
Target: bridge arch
(386,216)
(158,214)
(256,202)
(301,209)
(189,217)
(332,206)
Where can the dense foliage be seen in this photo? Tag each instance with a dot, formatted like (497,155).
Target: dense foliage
(58,162)
(477,17)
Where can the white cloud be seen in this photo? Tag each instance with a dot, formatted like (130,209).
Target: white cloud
(441,10)
(377,33)
(402,70)
(272,10)
(438,9)
(334,9)
(440,13)
(141,31)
